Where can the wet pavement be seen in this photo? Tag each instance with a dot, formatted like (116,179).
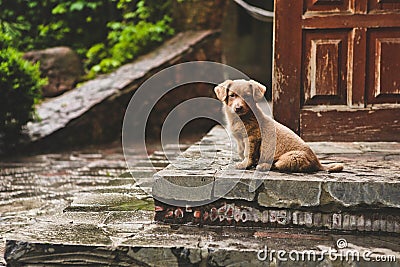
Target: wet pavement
(44,185)
(83,207)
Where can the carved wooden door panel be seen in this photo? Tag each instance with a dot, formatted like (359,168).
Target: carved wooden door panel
(337,69)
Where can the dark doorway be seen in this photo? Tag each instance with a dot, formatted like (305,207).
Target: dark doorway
(247,42)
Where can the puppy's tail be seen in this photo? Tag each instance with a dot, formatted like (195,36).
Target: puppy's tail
(334,167)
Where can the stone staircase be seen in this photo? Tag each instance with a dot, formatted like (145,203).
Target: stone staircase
(275,219)
(365,197)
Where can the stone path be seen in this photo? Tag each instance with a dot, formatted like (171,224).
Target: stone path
(112,224)
(40,186)
(132,239)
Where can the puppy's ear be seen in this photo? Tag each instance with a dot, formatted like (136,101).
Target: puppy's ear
(258,90)
(221,90)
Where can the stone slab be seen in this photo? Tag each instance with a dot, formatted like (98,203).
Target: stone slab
(132,239)
(92,182)
(134,200)
(104,228)
(371,178)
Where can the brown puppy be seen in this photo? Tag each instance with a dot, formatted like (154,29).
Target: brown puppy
(262,141)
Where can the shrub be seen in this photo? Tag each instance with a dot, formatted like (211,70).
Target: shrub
(20,85)
(106,33)
(40,24)
(142,27)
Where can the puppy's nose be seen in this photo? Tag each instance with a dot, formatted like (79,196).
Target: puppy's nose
(238,108)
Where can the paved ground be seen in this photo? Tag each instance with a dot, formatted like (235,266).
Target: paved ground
(109,221)
(46,184)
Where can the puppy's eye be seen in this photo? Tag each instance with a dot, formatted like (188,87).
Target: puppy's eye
(232,95)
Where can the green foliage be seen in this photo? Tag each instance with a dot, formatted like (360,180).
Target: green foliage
(141,28)
(39,24)
(20,86)
(106,33)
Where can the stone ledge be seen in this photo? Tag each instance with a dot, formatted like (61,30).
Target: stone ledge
(370,183)
(361,183)
(100,229)
(130,238)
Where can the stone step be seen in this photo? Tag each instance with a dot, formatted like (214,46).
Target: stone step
(102,185)
(117,228)
(115,238)
(364,197)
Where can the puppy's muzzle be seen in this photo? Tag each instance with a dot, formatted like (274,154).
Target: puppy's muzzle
(238,109)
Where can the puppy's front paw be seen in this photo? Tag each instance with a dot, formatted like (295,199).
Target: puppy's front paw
(243,165)
(263,167)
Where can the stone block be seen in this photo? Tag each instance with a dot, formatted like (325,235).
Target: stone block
(284,217)
(368,223)
(61,65)
(96,202)
(308,219)
(397,226)
(361,223)
(239,189)
(340,201)
(149,256)
(318,220)
(182,186)
(377,193)
(337,221)
(327,221)
(289,194)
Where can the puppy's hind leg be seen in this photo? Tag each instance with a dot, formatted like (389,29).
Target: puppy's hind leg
(334,167)
(297,161)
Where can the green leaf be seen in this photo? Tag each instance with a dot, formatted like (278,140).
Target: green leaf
(32,4)
(93,5)
(59,9)
(96,68)
(130,15)
(78,6)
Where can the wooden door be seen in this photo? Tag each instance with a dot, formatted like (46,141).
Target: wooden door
(337,69)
